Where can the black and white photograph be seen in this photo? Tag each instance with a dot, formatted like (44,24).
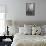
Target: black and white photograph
(22,22)
(30,9)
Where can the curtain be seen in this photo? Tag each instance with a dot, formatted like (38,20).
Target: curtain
(2,19)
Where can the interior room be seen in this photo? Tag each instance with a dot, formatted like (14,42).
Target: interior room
(22,22)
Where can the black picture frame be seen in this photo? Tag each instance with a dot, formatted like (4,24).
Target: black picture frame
(30,9)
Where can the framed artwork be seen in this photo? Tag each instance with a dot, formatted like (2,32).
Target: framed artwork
(30,9)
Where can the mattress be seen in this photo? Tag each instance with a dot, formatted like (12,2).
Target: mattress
(28,40)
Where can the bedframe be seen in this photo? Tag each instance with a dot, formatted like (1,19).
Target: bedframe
(29,40)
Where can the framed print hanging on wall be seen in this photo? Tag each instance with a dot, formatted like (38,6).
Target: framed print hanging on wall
(30,9)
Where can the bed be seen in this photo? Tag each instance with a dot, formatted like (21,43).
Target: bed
(29,40)
(20,39)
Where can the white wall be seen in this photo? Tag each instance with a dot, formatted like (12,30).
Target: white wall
(17,10)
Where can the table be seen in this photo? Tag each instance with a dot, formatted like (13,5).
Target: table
(4,37)
(5,43)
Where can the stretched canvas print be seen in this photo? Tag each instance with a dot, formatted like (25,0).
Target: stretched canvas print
(30,9)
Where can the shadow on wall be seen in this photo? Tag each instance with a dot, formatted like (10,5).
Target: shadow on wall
(21,23)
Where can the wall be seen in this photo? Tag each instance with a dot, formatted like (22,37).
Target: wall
(17,10)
